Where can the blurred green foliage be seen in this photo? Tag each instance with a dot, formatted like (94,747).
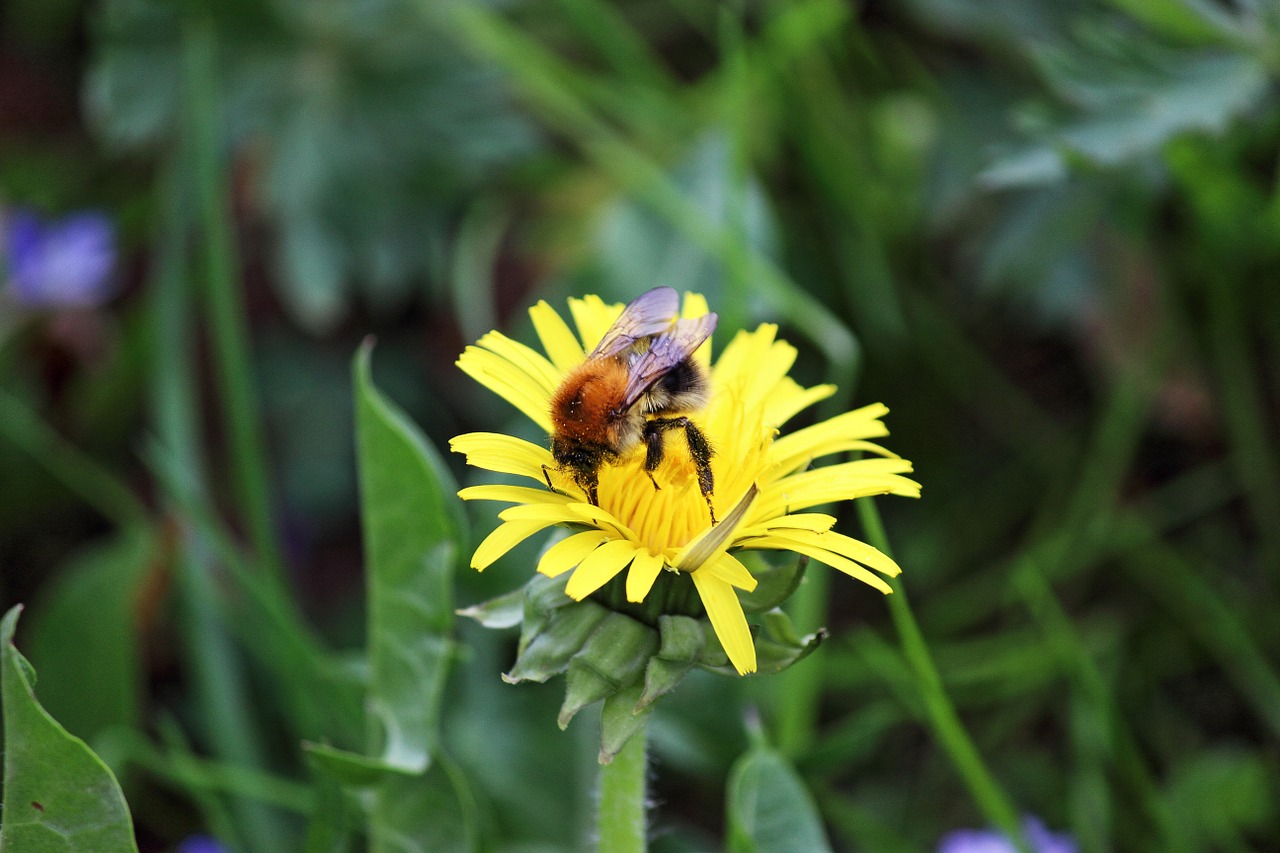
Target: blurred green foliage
(1044,234)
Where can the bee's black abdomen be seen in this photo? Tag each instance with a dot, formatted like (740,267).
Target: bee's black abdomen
(683,388)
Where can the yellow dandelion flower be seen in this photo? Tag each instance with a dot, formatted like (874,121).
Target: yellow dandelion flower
(763,479)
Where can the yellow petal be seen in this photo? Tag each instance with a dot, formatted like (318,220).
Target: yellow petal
(727,619)
(695,305)
(570,551)
(505,454)
(855,549)
(526,359)
(644,571)
(552,513)
(503,538)
(593,318)
(798,458)
(779,542)
(730,570)
(789,399)
(509,382)
(599,567)
(586,513)
(734,365)
(512,494)
(846,481)
(557,338)
(835,435)
(816,522)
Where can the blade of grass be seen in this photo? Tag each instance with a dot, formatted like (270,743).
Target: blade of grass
(268,627)
(218,682)
(75,469)
(1185,590)
(983,389)
(603,26)
(538,74)
(939,709)
(221,293)
(1252,445)
(1097,732)
(190,773)
(1091,719)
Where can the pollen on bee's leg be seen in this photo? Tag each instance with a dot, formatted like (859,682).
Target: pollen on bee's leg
(546,475)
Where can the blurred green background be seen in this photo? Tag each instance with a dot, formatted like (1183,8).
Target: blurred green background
(1046,235)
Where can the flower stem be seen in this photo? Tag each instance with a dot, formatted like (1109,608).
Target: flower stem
(955,740)
(620,823)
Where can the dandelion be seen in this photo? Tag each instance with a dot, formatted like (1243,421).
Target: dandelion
(765,481)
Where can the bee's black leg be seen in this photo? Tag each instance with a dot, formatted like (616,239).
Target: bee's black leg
(546,475)
(653,448)
(699,451)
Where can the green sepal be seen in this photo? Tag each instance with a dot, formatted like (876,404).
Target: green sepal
(614,657)
(682,640)
(622,658)
(505,611)
(543,596)
(778,646)
(774,583)
(555,629)
(621,718)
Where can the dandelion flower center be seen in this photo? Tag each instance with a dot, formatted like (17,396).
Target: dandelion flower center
(665,518)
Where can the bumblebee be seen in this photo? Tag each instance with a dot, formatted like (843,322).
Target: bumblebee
(639,383)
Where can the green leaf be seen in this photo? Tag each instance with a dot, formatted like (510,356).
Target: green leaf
(350,768)
(430,812)
(59,796)
(89,687)
(1222,793)
(1136,101)
(1190,21)
(769,808)
(310,272)
(413,524)
(638,246)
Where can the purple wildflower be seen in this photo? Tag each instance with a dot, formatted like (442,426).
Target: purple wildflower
(991,841)
(200,844)
(64,263)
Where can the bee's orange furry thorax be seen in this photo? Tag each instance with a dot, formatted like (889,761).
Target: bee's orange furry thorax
(586,406)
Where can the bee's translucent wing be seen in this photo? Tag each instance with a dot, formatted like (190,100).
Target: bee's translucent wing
(649,314)
(664,353)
